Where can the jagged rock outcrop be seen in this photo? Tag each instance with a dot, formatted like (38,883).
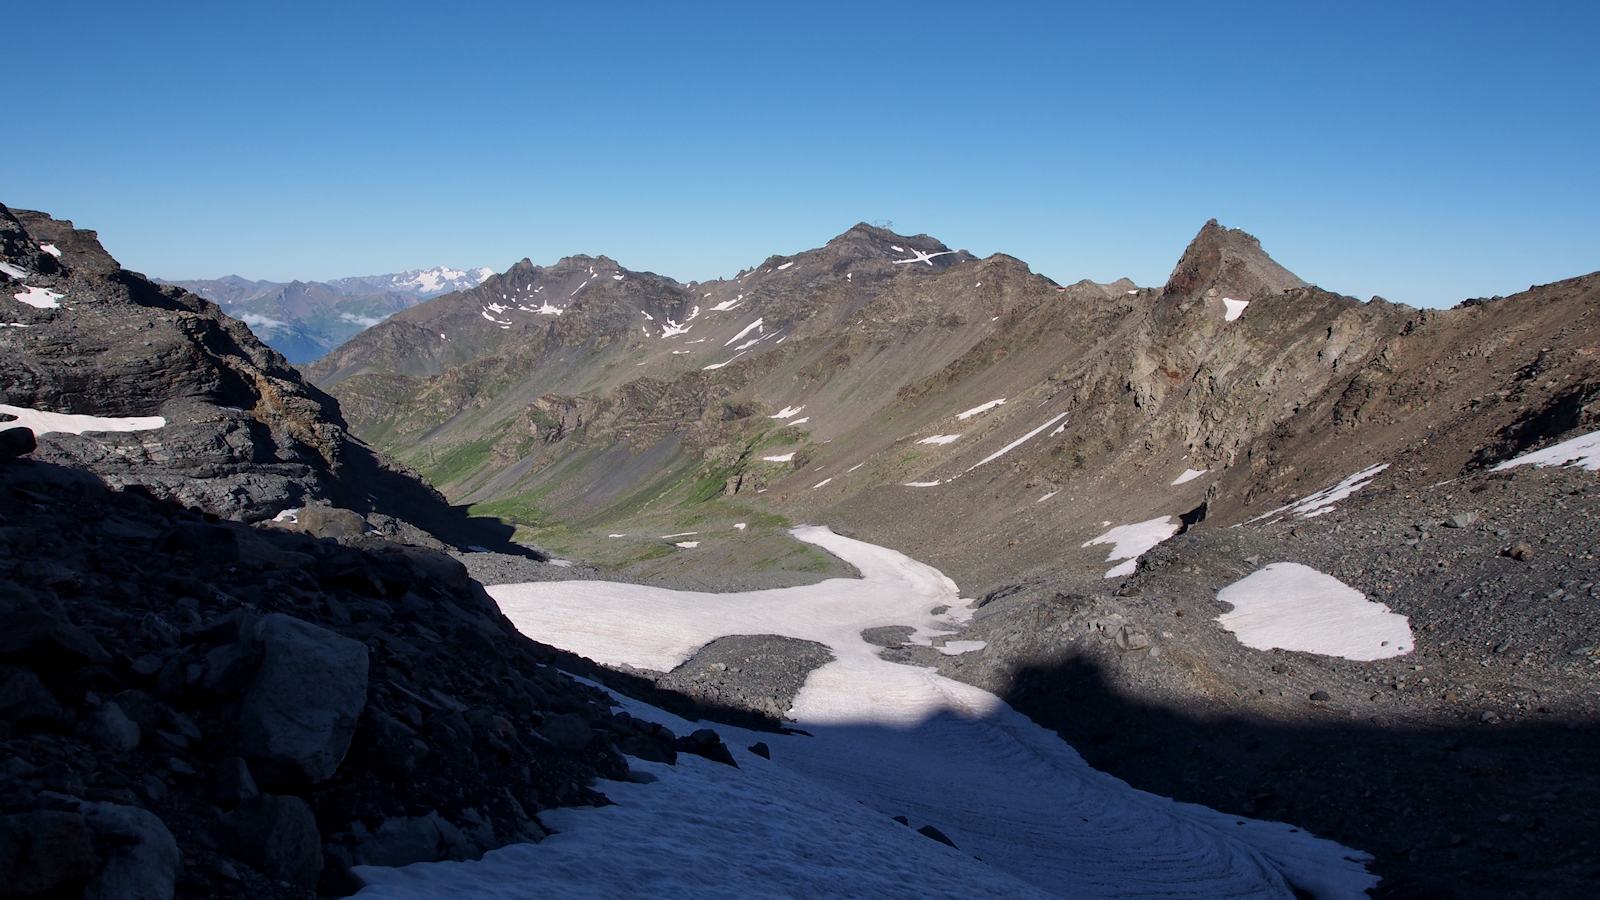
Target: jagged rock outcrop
(271,706)
(230,427)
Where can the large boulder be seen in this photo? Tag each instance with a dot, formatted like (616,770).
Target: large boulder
(45,851)
(141,861)
(301,710)
(279,836)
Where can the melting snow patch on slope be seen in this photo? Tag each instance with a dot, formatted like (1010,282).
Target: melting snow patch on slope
(1233,309)
(51,249)
(940,439)
(1189,475)
(786,412)
(784,266)
(1289,606)
(744,331)
(39,298)
(13,271)
(687,545)
(1018,442)
(821,483)
(782,457)
(42,422)
(1582,451)
(1129,542)
(1047,496)
(981,408)
(934,483)
(1324,501)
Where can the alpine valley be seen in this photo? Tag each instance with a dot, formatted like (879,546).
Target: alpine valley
(877,569)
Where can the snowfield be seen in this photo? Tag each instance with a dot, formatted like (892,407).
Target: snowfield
(1029,816)
(1294,607)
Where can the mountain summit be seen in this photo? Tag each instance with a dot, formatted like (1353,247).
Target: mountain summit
(1228,261)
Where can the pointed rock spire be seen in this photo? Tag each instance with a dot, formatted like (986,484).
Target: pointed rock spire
(1229,262)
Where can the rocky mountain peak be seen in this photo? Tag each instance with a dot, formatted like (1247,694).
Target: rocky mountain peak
(1227,261)
(863,241)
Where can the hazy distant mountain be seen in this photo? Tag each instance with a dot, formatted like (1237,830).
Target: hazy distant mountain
(305,319)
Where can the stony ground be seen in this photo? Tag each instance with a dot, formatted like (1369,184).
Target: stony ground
(1460,765)
(194,705)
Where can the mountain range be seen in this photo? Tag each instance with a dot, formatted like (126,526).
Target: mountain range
(304,319)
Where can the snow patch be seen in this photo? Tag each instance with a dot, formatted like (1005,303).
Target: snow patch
(934,483)
(42,422)
(787,412)
(785,457)
(1582,451)
(744,331)
(51,249)
(1294,607)
(687,545)
(1047,496)
(940,439)
(13,271)
(1324,501)
(784,266)
(821,483)
(1129,542)
(1189,475)
(39,298)
(981,408)
(1233,309)
(1018,442)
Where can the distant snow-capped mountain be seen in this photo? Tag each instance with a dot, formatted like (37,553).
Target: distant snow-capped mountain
(305,319)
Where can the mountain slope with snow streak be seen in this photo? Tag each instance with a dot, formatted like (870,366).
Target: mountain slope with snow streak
(906,741)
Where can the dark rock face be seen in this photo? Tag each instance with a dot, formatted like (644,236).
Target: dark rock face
(756,673)
(1228,262)
(301,710)
(166,667)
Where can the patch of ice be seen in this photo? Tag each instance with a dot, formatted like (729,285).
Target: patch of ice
(1129,542)
(1018,442)
(783,457)
(1323,501)
(981,408)
(42,422)
(1189,475)
(787,412)
(39,298)
(290,516)
(1582,451)
(940,439)
(1233,308)
(1294,607)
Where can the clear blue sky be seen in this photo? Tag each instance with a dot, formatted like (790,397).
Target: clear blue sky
(1425,152)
